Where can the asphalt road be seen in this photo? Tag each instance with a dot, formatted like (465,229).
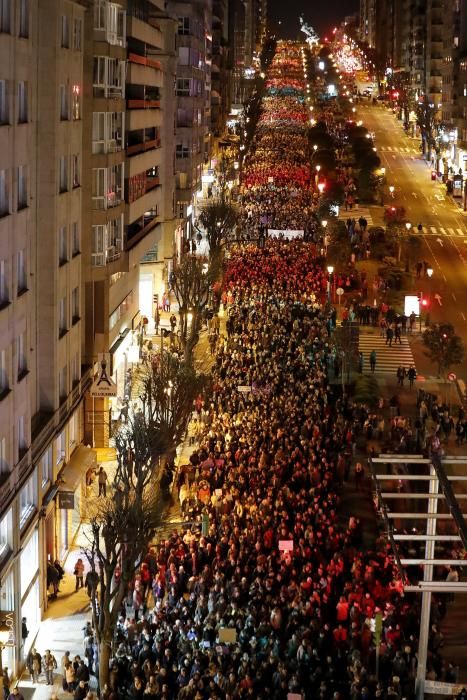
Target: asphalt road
(425,202)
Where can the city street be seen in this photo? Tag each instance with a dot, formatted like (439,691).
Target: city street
(425,202)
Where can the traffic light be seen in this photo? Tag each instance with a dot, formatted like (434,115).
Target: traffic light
(425,302)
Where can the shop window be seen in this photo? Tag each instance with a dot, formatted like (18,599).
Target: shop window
(60,447)
(27,500)
(46,467)
(29,562)
(6,535)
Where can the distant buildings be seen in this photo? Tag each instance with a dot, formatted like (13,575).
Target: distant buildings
(421,47)
(109,113)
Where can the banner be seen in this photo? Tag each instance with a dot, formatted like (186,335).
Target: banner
(289,234)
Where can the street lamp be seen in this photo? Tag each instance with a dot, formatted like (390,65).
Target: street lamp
(321,187)
(391,190)
(429,272)
(408,226)
(330,271)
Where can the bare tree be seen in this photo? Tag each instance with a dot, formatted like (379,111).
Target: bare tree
(218,218)
(426,120)
(121,528)
(191,285)
(167,390)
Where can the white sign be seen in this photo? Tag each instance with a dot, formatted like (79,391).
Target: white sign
(286,545)
(244,389)
(339,291)
(443,688)
(103,385)
(411,305)
(288,233)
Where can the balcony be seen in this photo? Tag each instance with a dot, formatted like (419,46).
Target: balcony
(143,104)
(142,147)
(144,61)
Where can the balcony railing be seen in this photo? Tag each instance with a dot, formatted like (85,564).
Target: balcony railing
(141,147)
(143,104)
(144,61)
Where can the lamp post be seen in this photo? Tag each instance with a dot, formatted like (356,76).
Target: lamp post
(408,226)
(391,190)
(324,223)
(317,168)
(330,271)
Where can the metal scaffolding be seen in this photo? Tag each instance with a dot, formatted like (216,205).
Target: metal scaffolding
(403,475)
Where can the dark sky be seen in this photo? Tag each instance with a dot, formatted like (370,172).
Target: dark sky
(321,14)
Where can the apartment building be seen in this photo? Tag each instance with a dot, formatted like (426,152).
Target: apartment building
(130,205)
(220,68)
(193,108)
(41,369)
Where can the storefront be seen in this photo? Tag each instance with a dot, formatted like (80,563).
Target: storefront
(71,496)
(29,585)
(7,603)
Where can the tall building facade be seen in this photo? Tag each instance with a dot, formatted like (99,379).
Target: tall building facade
(43,377)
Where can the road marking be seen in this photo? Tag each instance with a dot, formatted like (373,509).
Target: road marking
(444,277)
(443,231)
(462,315)
(438,240)
(451,231)
(454,296)
(432,229)
(460,231)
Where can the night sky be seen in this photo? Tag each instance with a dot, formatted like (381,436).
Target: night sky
(323,15)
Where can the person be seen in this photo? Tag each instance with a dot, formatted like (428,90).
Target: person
(173,322)
(373,360)
(91,581)
(359,475)
(50,665)
(102,480)
(79,574)
(400,374)
(53,579)
(389,336)
(16,694)
(412,375)
(81,691)
(34,664)
(360,362)
(70,678)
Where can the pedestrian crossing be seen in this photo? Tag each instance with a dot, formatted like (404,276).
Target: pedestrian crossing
(388,359)
(446,231)
(401,150)
(355,213)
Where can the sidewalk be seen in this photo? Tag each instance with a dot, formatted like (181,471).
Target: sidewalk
(62,627)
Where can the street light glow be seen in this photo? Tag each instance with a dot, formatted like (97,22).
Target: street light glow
(429,272)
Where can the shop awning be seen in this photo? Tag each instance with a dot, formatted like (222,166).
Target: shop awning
(74,472)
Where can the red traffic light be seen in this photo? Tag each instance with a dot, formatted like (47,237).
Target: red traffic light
(424,302)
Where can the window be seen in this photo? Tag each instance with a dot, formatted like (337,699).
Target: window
(21,436)
(184,25)
(6,534)
(5,16)
(62,317)
(111,19)
(120,311)
(21,271)
(4,194)
(77,30)
(73,430)
(65,33)
(22,182)
(76,102)
(4,106)
(4,466)
(75,369)
(182,151)
(63,384)
(27,500)
(183,87)
(75,305)
(75,245)
(4,380)
(60,446)
(108,77)
(107,242)
(22,102)
(62,245)
(63,174)
(4,296)
(75,174)
(107,132)
(24,19)
(46,467)
(64,113)
(107,186)
(21,361)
